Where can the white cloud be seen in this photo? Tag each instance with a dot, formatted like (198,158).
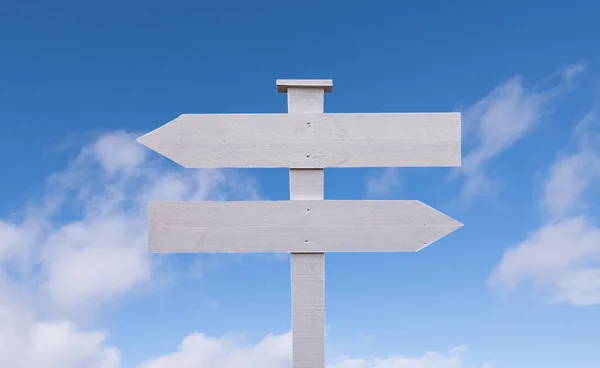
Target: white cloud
(428,360)
(59,344)
(568,179)
(13,237)
(383,182)
(94,261)
(56,343)
(499,120)
(101,252)
(200,351)
(275,351)
(562,257)
(83,244)
(571,175)
(117,151)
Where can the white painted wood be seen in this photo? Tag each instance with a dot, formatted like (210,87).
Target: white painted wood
(305,101)
(299,140)
(323,85)
(308,310)
(307,269)
(295,226)
(306,184)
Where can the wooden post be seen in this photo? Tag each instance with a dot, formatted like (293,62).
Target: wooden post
(308,269)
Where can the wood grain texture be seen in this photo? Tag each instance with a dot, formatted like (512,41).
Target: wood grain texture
(307,226)
(307,269)
(306,184)
(300,140)
(305,101)
(308,310)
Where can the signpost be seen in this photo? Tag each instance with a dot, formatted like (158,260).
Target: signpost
(305,140)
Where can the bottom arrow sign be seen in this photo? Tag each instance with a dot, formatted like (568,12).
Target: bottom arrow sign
(295,226)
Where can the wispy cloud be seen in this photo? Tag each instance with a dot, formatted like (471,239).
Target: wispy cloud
(275,351)
(83,244)
(506,115)
(491,126)
(562,257)
(383,182)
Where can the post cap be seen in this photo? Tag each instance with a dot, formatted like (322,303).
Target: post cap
(284,84)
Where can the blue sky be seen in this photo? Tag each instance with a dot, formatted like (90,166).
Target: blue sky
(517,286)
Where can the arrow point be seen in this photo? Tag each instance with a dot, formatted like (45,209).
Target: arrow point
(155,140)
(446,225)
(141,140)
(455,223)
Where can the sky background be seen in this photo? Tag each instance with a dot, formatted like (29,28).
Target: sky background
(517,287)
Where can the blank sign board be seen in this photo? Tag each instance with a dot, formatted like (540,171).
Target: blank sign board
(309,140)
(295,226)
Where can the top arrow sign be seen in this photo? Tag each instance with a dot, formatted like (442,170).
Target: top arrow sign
(309,140)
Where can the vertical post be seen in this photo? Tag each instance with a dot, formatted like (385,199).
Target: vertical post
(308,269)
